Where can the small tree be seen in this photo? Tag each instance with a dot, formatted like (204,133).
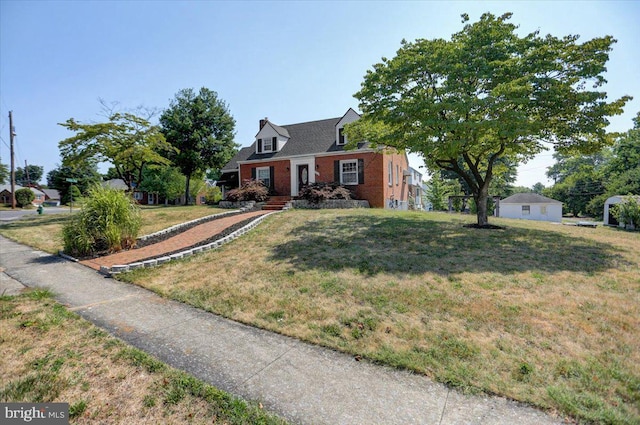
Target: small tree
(437,192)
(24,197)
(213,196)
(628,212)
(108,222)
(71,194)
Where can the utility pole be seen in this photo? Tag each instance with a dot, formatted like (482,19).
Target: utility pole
(12,134)
(26,172)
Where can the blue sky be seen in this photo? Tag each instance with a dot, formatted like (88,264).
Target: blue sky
(288,61)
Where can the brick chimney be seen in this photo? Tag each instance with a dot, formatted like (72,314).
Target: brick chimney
(263,122)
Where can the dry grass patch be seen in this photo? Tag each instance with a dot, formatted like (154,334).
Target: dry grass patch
(44,232)
(52,355)
(542,313)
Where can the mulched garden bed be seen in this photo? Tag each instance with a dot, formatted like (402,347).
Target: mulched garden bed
(225,232)
(164,236)
(486,226)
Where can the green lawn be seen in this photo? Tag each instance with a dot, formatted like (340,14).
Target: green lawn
(538,312)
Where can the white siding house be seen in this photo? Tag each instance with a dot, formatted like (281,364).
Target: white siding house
(531,206)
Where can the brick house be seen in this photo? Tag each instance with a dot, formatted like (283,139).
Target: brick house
(287,157)
(5,194)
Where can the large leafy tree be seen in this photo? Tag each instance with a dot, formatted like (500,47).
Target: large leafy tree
(31,174)
(486,95)
(129,142)
(201,128)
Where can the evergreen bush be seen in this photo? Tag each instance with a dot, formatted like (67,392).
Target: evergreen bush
(24,197)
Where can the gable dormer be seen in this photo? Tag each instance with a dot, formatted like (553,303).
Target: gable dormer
(349,116)
(271,138)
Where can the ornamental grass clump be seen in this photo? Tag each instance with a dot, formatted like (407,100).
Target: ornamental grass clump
(108,222)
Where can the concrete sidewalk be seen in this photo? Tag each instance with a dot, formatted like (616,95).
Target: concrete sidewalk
(301,382)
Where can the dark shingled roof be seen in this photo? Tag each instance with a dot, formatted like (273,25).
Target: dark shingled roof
(307,138)
(528,198)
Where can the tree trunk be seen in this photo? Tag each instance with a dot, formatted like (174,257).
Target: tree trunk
(481,204)
(186,191)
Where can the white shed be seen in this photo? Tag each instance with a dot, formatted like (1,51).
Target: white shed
(531,206)
(609,219)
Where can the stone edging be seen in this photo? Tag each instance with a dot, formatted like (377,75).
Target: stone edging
(120,268)
(195,222)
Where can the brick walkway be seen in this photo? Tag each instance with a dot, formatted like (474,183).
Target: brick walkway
(180,241)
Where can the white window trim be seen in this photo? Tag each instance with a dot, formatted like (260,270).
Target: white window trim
(270,140)
(528,210)
(390,171)
(349,161)
(138,196)
(397,175)
(258,170)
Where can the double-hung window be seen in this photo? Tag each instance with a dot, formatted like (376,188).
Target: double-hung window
(341,137)
(264,174)
(526,209)
(267,144)
(349,172)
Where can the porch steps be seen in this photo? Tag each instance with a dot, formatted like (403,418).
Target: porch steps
(276,203)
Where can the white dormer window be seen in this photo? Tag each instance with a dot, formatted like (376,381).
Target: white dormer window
(267,145)
(342,138)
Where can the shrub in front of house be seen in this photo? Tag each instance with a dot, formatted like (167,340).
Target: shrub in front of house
(251,190)
(24,197)
(108,222)
(322,191)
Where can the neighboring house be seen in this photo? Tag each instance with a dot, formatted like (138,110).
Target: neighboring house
(288,157)
(531,206)
(5,194)
(151,198)
(414,180)
(609,218)
(51,197)
(115,184)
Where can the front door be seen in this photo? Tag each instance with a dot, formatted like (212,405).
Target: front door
(303,175)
